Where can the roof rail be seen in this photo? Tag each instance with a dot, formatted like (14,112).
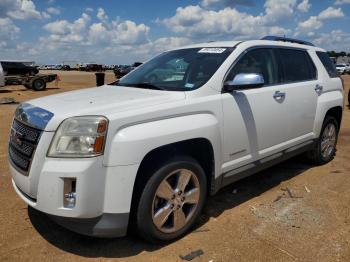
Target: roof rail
(285,39)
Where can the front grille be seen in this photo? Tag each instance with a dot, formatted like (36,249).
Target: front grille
(22,145)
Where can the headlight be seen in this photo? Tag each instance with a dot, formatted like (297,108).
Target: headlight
(82,136)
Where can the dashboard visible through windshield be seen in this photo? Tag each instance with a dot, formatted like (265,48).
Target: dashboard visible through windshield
(178,70)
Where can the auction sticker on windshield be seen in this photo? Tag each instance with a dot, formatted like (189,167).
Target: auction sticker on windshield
(212,50)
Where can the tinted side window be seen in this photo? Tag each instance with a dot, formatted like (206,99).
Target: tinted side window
(297,66)
(5,65)
(328,64)
(261,61)
(19,65)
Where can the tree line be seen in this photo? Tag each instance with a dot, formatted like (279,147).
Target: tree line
(338,54)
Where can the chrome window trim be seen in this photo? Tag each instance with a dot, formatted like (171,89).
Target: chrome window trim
(271,47)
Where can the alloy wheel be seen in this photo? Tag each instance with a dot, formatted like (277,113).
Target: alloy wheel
(175,201)
(328,141)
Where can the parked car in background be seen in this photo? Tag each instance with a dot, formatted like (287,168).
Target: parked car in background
(122,70)
(66,68)
(18,68)
(136,64)
(347,69)
(341,68)
(49,67)
(93,68)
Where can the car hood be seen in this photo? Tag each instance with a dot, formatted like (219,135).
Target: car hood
(105,100)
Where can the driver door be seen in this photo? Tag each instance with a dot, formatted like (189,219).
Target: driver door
(256,120)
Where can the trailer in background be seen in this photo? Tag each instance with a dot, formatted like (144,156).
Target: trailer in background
(37,82)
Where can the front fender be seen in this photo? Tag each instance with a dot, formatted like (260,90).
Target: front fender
(132,143)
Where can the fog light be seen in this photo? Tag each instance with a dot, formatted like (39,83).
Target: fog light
(70,199)
(69,194)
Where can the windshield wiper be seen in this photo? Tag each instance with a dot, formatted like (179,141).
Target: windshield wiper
(148,86)
(140,85)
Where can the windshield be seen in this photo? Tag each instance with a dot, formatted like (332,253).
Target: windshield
(178,70)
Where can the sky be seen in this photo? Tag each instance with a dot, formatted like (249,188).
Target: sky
(122,32)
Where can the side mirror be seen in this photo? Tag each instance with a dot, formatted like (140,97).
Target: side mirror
(244,81)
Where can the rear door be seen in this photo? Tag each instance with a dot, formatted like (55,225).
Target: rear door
(303,88)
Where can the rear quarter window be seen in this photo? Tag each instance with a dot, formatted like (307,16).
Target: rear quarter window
(328,64)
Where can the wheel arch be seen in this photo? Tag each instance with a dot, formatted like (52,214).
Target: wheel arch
(336,112)
(199,149)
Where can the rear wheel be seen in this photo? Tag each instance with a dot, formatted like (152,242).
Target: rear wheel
(39,85)
(325,147)
(171,200)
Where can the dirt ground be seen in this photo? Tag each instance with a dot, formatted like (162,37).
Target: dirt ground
(293,211)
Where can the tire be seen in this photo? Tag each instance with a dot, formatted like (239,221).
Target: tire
(319,154)
(151,206)
(39,85)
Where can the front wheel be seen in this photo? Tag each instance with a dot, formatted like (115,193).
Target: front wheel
(325,147)
(171,200)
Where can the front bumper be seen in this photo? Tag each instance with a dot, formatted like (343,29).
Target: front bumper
(107,225)
(103,194)
(104,226)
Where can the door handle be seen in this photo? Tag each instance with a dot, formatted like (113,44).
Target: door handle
(318,89)
(279,95)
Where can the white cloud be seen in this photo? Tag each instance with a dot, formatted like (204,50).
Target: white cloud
(167,43)
(64,31)
(24,9)
(277,10)
(304,6)
(82,39)
(45,15)
(8,32)
(316,22)
(313,23)
(335,40)
(341,2)
(331,12)
(21,10)
(128,32)
(53,10)
(101,15)
(197,22)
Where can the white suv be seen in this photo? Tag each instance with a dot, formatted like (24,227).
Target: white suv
(147,152)
(342,68)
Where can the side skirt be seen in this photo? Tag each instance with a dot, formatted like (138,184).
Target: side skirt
(259,165)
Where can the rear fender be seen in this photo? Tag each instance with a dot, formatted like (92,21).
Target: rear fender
(326,101)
